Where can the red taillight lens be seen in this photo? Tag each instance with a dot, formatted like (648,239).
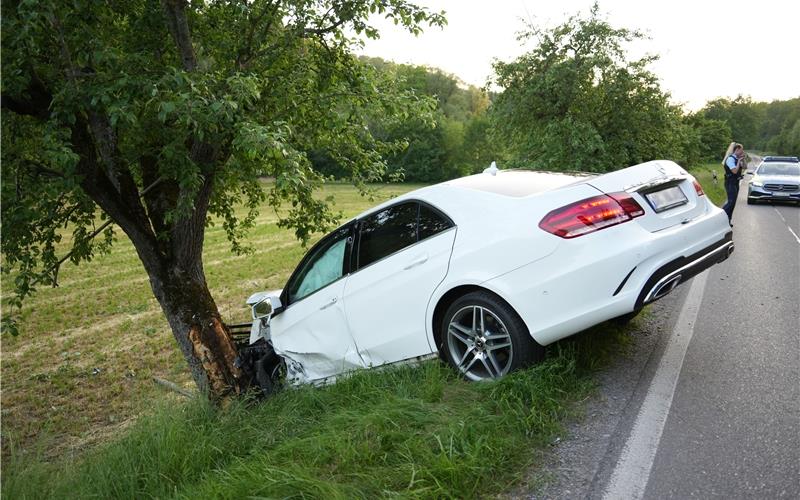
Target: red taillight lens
(628,204)
(591,214)
(698,188)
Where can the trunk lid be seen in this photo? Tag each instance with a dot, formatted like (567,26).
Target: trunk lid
(663,188)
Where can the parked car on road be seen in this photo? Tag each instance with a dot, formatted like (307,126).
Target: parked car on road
(775,181)
(485,270)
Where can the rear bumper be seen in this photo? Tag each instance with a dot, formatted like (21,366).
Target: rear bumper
(682,269)
(610,273)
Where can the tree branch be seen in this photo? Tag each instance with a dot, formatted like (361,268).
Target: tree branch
(161,198)
(244,54)
(96,184)
(188,232)
(175,11)
(104,139)
(36,104)
(40,169)
(327,29)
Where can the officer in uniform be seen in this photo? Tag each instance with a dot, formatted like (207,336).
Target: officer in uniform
(734,165)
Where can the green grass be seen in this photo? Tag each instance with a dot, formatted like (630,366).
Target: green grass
(416,432)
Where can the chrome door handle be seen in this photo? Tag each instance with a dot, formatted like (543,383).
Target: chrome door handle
(332,302)
(417,262)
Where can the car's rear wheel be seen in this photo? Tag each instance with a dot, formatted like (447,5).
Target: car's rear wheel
(484,338)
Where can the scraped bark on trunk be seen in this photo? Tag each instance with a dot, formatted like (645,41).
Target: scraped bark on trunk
(202,337)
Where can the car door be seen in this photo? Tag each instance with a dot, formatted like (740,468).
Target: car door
(311,332)
(402,255)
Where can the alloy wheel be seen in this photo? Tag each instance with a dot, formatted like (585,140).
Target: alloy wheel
(479,343)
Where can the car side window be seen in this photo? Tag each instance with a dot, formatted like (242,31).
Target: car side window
(431,222)
(386,232)
(323,265)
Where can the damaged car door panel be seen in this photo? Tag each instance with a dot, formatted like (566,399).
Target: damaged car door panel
(399,264)
(485,269)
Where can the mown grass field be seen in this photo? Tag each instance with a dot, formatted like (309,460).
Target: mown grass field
(82,367)
(82,417)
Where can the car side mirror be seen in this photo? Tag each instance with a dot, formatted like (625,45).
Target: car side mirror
(266,307)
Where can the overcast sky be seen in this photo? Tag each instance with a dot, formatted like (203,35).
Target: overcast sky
(708,48)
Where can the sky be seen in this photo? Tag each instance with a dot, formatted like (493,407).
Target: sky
(707,48)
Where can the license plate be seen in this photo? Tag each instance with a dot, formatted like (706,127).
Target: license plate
(779,194)
(666,198)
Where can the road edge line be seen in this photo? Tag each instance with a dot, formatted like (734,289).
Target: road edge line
(632,472)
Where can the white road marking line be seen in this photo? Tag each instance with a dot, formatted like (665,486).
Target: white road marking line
(787,224)
(630,476)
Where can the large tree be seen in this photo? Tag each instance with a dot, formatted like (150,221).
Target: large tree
(576,101)
(158,116)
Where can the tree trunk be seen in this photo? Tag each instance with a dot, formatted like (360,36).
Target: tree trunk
(203,338)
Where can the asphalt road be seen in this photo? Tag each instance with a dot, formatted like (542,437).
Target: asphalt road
(731,423)
(733,430)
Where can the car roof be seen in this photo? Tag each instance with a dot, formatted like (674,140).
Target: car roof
(518,183)
(506,183)
(789,159)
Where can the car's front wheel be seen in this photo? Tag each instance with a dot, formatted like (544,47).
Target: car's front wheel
(751,201)
(484,338)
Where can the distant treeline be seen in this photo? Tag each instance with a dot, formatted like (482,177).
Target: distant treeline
(467,128)
(448,137)
(573,102)
(772,127)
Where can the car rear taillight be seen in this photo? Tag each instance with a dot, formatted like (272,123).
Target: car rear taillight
(698,188)
(590,215)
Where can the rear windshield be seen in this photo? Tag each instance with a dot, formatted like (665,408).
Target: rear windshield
(779,169)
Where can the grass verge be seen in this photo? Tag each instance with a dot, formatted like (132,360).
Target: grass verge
(714,188)
(416,432)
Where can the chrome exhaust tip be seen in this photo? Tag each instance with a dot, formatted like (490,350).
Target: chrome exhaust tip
(664,288)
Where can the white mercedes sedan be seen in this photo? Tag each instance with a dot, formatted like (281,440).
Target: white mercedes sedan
(485,270)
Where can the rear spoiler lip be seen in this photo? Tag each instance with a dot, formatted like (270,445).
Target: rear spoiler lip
(650,185)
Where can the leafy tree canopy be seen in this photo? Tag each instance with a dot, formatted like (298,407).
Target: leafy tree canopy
(159,116)
(575,102)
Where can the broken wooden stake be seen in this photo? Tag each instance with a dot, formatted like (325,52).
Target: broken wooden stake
(175,387)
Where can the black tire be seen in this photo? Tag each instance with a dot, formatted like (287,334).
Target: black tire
(751,201)
(487,349)
(270,373)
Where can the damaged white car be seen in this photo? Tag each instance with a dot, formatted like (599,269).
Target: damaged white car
(485,270)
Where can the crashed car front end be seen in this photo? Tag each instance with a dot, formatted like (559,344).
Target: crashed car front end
(296,359)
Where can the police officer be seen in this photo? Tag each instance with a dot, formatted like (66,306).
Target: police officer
(734,165)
